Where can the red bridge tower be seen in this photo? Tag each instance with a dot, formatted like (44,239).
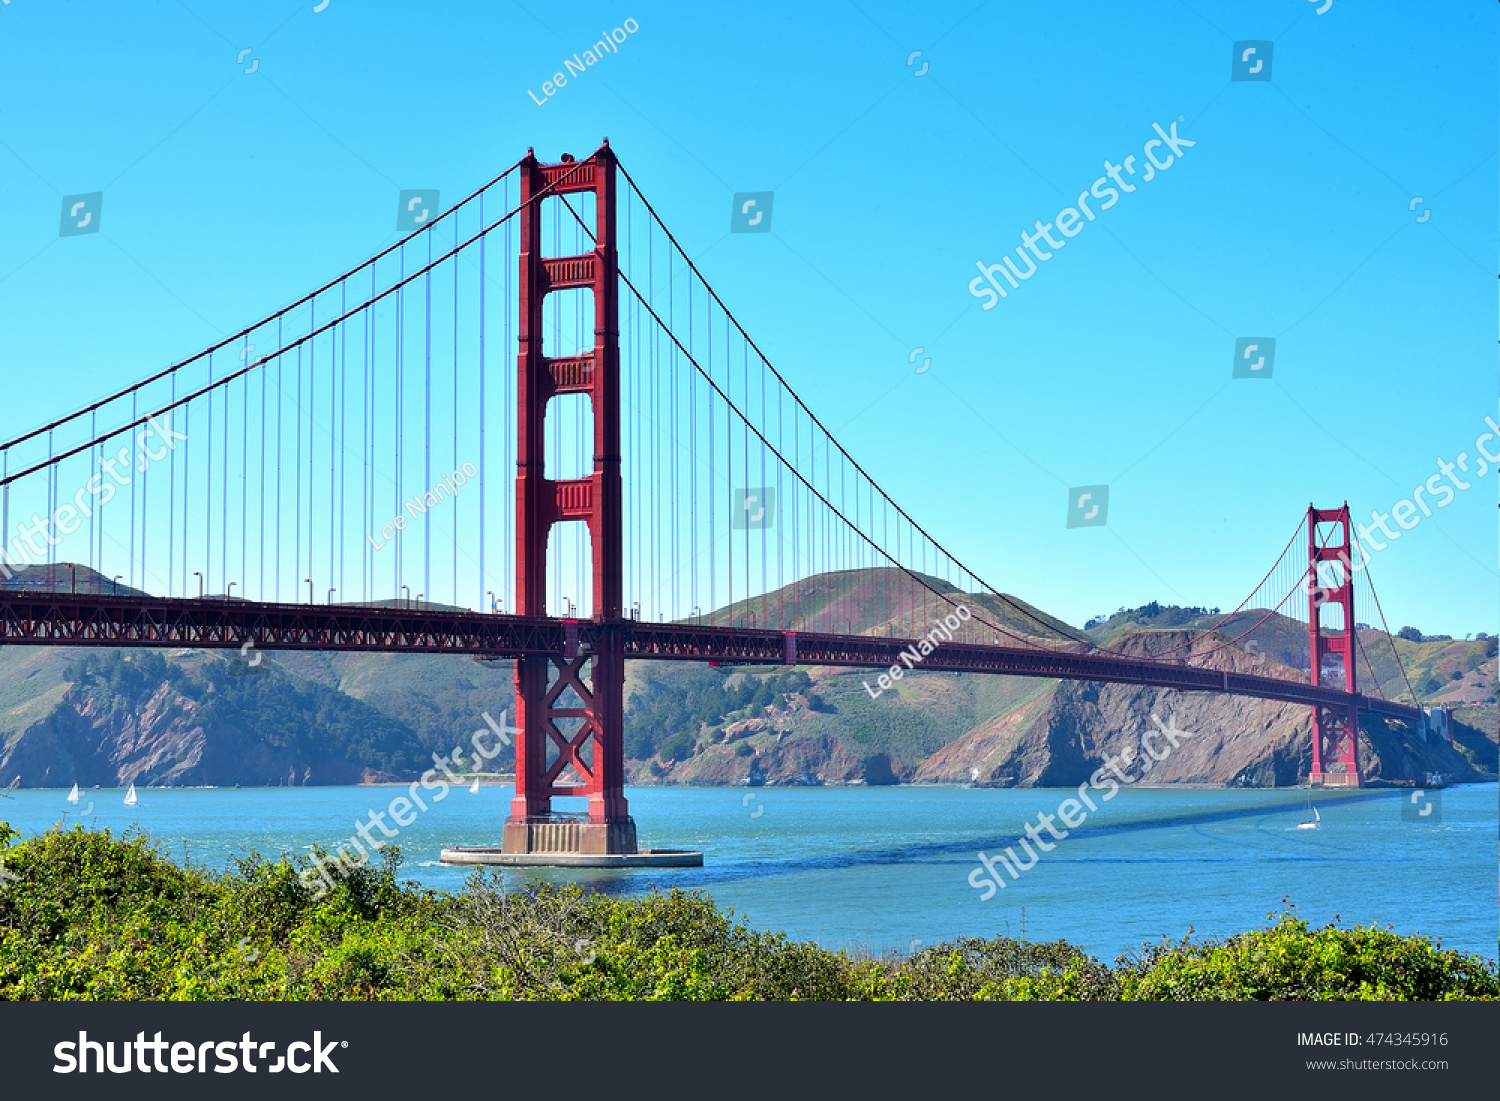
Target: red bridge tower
(594,746)
(1335,730)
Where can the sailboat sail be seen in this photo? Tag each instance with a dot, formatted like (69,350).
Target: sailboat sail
(73,795)
(130,797)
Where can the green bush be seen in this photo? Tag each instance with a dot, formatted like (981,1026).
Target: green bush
(85,915)
(1291,961)
(678,747)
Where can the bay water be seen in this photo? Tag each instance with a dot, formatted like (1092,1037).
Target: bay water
(882,869)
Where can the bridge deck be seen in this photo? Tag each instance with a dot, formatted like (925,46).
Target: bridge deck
(63,619)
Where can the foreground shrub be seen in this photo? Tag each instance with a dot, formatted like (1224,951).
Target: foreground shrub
(1293,962)
(84,915)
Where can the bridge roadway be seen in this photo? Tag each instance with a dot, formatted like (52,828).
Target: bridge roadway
(63,619)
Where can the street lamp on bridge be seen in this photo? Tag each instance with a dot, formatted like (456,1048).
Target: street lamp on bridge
(199,576)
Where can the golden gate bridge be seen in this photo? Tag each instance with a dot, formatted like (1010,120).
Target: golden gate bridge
(665,495)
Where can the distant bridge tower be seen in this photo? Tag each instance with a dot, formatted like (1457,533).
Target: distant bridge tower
(595,747)
(1335,730)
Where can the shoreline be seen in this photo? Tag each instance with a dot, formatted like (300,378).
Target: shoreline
(504,780)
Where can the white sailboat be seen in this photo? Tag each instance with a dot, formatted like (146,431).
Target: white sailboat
(1313,824)
(73,795)
(474,790)
(130,797)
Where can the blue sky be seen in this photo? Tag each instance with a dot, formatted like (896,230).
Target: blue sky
(227,194)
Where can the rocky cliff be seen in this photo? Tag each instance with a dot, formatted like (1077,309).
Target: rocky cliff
(1002,731)
(117,718)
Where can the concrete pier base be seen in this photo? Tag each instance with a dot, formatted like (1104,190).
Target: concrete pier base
(556,841)
(1334,780)
(643,858)
(568,836)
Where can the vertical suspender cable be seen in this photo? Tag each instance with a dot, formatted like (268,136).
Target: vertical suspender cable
(260,582)
(508,546)
(633,550)
(400,332)
(297,481)
(745,448)
(455,410)
(675,442)
(654,351)
(713,455)
(483,409)
(427,417)
(728,435)
(223,506)
(280,405)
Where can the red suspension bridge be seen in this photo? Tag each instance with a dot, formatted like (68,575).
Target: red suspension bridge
(665,495)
